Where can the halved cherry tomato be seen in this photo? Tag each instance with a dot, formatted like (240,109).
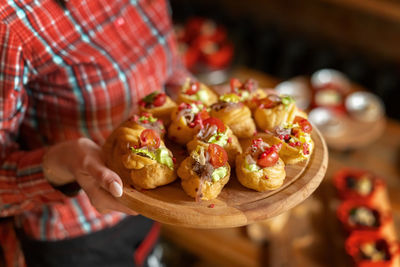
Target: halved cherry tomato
(268,158)
(203,115)
(199,118)
(183,106)
(217,122)
(150,139)
(218,156)
(304,124)
(193,88)
(159,100)
(235,84)
(267,102)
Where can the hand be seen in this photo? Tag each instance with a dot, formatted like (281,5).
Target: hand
(82,161)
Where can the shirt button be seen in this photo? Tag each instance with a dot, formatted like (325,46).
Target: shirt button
(120,21)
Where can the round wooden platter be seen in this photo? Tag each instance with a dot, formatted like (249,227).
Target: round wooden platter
(236,205)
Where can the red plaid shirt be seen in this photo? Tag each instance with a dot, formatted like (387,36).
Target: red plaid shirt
(65,74)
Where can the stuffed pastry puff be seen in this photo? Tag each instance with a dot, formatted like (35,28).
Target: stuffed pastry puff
(158,104)
(274,110)
(205,172)
(139,157)
(195,92)
(235,114)
(146,121)
(248,91)
(295,138)
(214,131)
(260,168)
(186,121)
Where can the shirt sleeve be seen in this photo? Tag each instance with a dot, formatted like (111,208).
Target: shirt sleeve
(179,72)
(22,183)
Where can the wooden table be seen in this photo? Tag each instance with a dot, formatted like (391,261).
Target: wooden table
(312,236)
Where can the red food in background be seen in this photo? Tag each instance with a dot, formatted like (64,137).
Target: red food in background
(377,196)
(384,219)
(357,239)
(203,42)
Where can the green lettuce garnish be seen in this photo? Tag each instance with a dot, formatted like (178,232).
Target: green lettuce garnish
(287,100)
(219,173)
(144,152)
(163,157)
(252,167)
(231,98)
(149,118)
(150,97)
(220,139)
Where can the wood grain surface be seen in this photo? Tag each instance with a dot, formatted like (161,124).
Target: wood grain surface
(236,205)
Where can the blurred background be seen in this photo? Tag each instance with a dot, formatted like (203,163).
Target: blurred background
(275,41)
(290,38)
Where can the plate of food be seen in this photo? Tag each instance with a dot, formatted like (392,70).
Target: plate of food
(219,160)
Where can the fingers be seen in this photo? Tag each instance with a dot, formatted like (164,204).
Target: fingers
(100,183)
(108,180)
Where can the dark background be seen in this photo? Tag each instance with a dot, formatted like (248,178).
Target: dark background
(290,38)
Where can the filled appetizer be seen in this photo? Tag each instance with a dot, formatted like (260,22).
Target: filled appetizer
(205,172)
(357,184)
(275,110)
(158,104)
(214,131)
(187,120)
(196,92)
(369,249)
(295,138)
(232,112)
(248,91)
(139,157)
(360,216)
(260,168)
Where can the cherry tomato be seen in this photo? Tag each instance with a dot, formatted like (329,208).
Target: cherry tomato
(159,100)
(199,118)
(268,158)
(203,115)
(267,103)
(142,103)
(193,88)
(150,139)
(218,156)
(304,124)
(217,122)
(235,84)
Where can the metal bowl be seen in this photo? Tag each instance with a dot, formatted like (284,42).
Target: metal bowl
(365,106)
(326,120)
(330,77)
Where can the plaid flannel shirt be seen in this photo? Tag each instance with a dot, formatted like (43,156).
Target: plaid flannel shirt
(66,74)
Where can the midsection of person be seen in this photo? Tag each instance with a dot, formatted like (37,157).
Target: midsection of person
(84,68)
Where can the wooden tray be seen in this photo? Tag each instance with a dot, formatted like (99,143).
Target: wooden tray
(236,205)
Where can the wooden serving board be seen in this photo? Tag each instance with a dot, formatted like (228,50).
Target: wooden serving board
(236,205)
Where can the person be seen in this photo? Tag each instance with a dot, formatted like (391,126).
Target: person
(71,71)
